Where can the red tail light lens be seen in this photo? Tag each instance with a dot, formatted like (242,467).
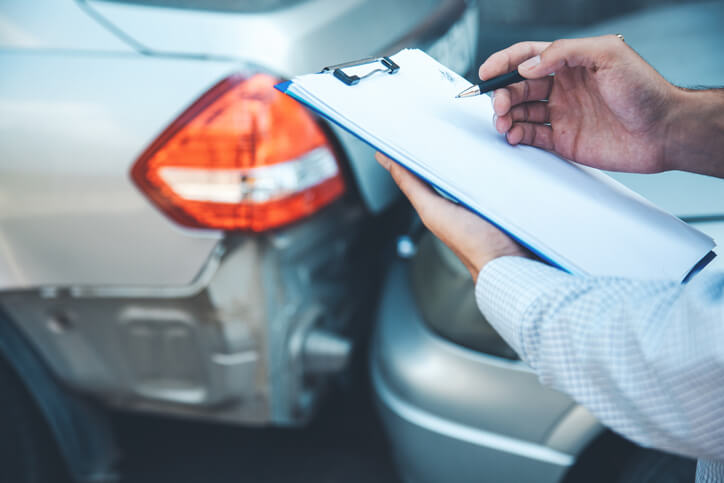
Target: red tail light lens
(243,157)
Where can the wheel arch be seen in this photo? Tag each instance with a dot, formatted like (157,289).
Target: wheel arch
(78,425)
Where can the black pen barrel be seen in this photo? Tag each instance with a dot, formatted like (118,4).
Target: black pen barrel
(500,81)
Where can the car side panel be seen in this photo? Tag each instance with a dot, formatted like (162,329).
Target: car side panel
(54,25)
(289,41)
(71,126)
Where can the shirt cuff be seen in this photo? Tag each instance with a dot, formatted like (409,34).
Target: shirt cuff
(507,287)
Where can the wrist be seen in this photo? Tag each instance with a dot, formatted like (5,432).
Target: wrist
(514,250)
(693,135)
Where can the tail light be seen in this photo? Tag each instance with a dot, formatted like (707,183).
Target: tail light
(242,157)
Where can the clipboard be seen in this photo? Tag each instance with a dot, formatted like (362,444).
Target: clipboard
(388,66)
(649,243)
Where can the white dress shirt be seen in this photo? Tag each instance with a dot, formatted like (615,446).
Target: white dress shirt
(645,357)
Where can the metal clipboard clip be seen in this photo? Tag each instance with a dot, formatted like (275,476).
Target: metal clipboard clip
(351,79)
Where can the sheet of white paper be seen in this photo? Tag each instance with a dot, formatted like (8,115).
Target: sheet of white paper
(577,217)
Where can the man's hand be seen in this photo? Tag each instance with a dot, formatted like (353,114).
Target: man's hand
(472,239)
(604,107)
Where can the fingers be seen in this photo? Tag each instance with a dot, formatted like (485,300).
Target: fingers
(535,112)
(539,59)
(508,59)
(531,90)
(425,201)
(520,102)
(520,113)
(593,52)
(539,135)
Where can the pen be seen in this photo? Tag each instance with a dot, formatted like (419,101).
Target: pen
(492,84)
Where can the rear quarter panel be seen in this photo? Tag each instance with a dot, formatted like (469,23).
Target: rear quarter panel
(71,126)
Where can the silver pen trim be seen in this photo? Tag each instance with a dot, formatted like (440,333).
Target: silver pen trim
(473,90)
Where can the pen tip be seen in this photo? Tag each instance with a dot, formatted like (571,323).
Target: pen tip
(470,91)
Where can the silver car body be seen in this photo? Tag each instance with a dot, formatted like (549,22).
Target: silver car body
(450,410)
(121,302)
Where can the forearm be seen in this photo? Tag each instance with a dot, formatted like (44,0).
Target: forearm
(694,138)
(642,356)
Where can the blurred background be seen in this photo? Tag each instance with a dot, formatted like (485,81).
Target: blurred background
(503,23)
(202,281)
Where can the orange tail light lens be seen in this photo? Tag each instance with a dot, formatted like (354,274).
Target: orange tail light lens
(243,157)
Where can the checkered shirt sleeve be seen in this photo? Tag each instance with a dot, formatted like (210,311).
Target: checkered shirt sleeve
(645,357)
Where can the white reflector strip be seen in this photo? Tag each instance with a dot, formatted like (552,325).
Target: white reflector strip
(252,185)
